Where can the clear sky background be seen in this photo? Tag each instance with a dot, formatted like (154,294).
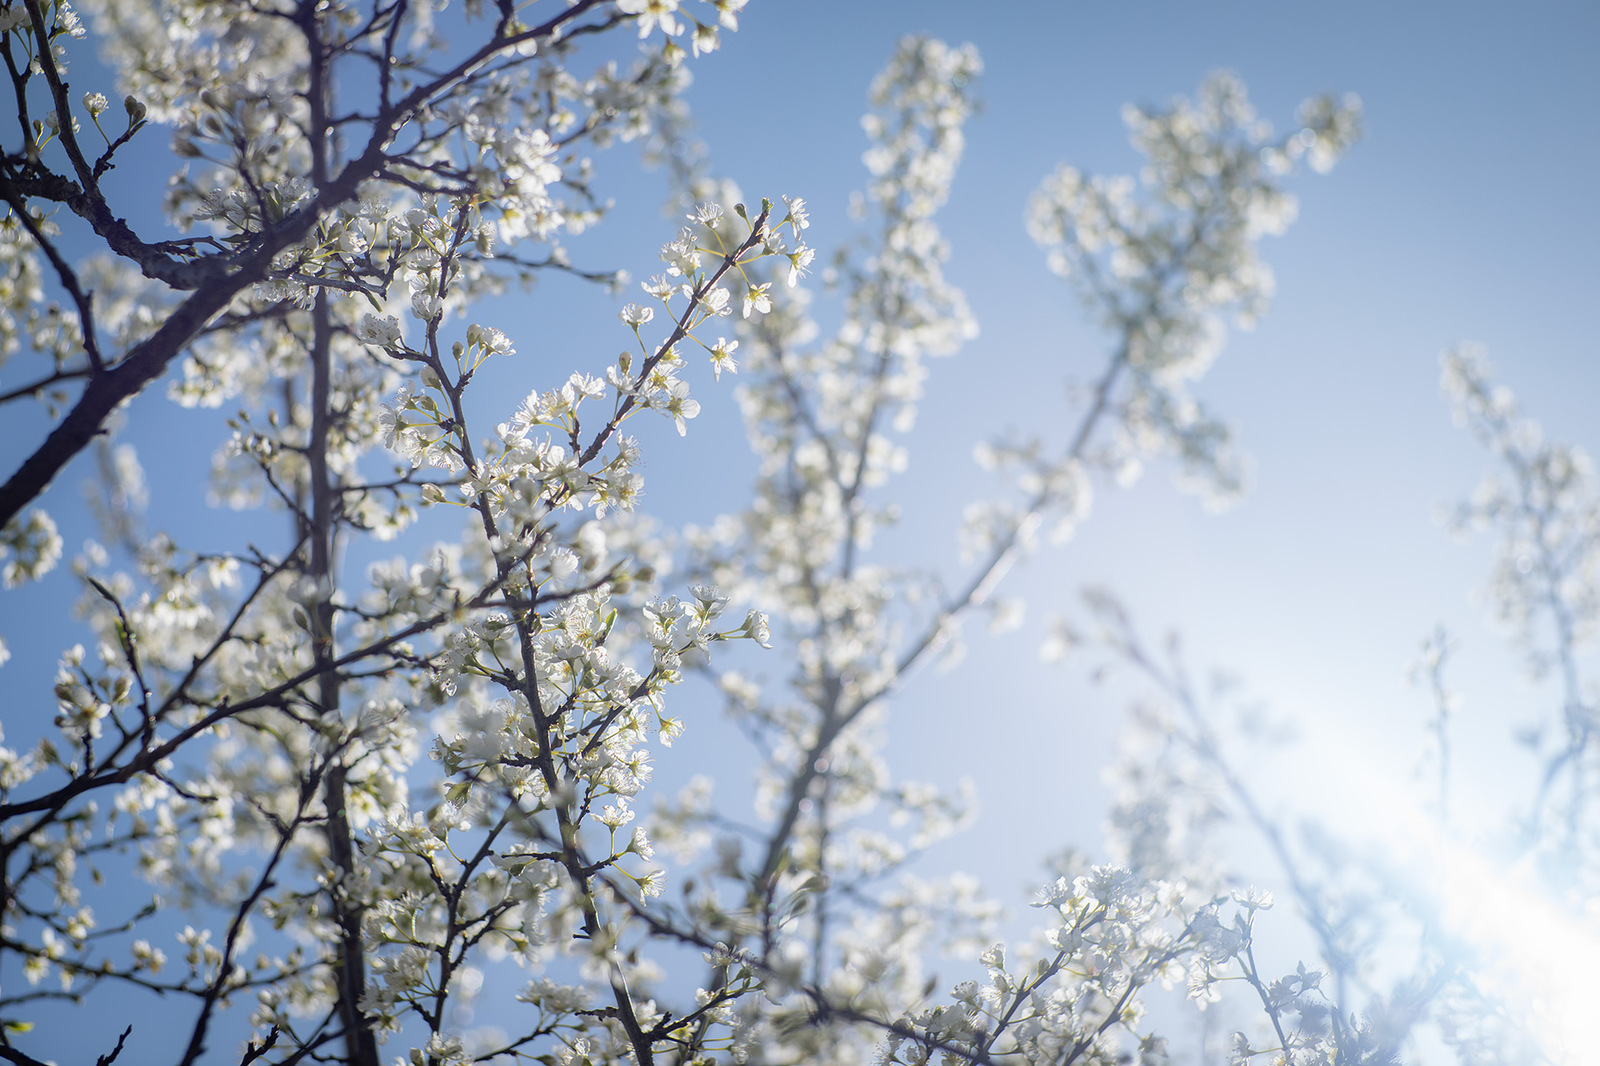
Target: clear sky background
(1466,213)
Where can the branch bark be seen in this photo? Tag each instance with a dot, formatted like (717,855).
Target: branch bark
(218,280)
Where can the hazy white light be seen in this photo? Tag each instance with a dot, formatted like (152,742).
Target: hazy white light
(1540,958)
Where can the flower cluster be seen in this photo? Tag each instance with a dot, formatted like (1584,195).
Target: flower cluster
(1158,269)
(372,787)
(1543,502)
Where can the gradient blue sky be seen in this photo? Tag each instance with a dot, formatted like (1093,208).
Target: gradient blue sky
(1466,213)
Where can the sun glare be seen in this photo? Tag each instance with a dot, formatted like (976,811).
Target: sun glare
(1533,953)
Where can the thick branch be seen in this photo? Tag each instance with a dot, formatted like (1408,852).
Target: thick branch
(225,278)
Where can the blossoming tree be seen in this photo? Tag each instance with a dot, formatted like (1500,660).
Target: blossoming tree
(370,793)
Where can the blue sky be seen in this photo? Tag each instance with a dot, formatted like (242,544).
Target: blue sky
(1466,213)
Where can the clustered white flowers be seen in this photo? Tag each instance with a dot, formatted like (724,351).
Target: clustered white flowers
(375,788)
(1544,503)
